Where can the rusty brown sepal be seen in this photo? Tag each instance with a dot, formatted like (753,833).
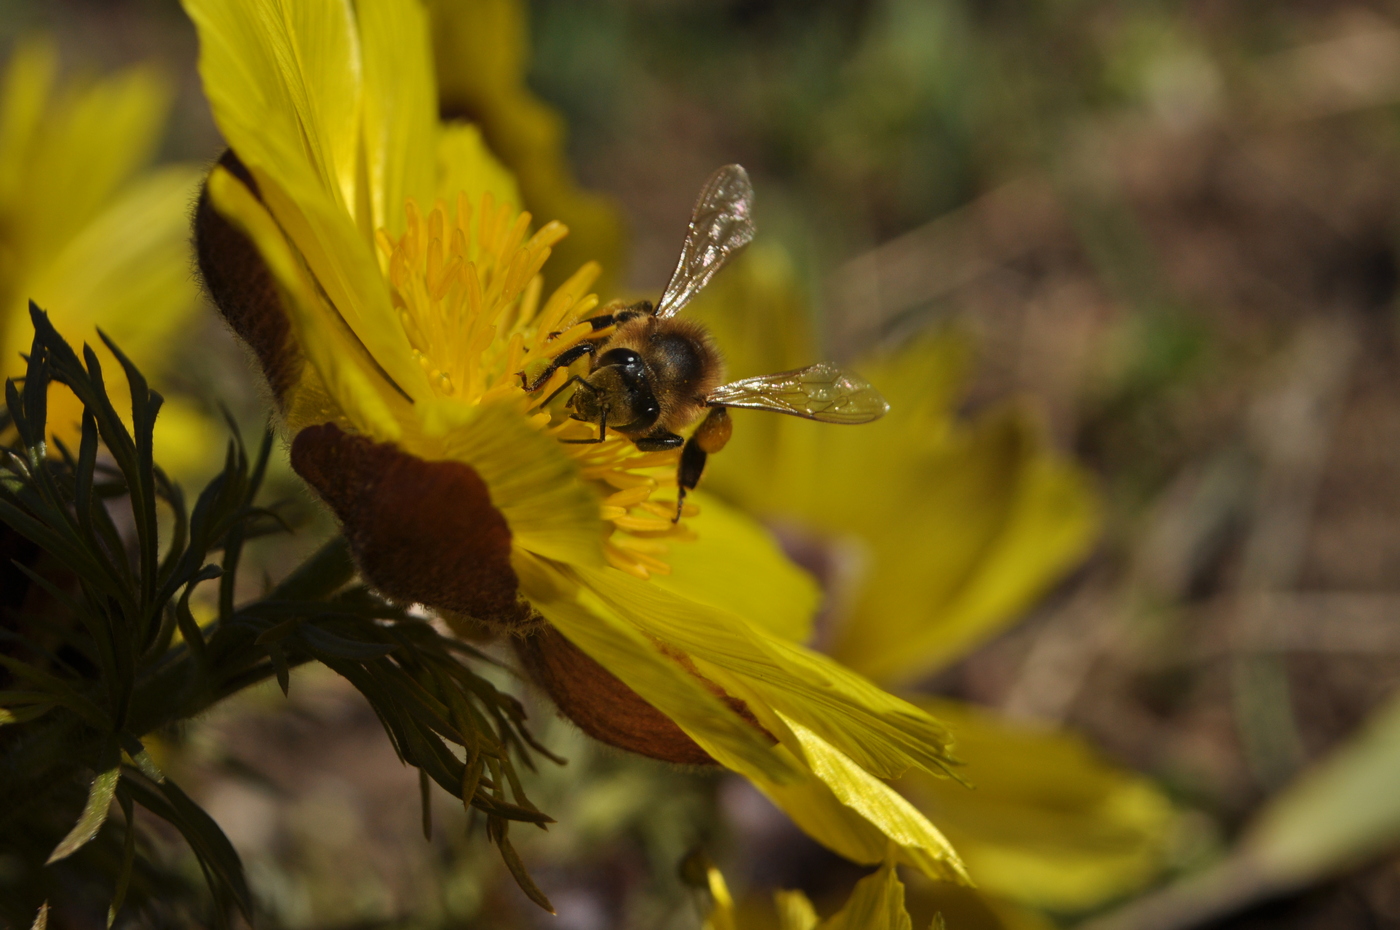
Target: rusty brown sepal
(601,705)
(242,288)
(421,531)
(605,708)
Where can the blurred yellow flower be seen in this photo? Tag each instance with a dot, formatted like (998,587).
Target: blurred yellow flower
(88,234)
(372,258)
(954,530)
(876,903)
(1067,831)
(481,48)
(932,536)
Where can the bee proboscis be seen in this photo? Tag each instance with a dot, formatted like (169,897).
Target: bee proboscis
(652,374)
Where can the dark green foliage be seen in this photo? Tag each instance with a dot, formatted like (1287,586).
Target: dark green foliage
(96,666)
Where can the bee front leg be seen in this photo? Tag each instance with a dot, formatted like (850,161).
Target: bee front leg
(709,437)
(616,312)
(563,360)
(602,422)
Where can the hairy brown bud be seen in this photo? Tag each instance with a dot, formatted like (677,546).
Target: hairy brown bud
(421,531)
(600,704)
(242,288)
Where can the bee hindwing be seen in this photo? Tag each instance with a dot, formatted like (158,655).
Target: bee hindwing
(818,392)
(720,225)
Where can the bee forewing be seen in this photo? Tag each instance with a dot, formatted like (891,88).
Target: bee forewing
(720,225)
(818,392)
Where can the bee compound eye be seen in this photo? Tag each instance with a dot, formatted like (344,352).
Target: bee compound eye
(626,359)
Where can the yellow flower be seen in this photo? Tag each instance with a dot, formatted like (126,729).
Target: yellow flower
(934,535)
(370,256)
(876,903)
(480,48)
(87,234)
(1067,833)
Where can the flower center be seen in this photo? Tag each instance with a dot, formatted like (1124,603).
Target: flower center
(467,289)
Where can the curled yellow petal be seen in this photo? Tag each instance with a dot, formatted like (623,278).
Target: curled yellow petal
(329,350)
(1048,821)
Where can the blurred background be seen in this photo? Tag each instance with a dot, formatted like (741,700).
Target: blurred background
(1170,229)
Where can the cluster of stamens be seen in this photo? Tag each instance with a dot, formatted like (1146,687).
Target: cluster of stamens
(469,298)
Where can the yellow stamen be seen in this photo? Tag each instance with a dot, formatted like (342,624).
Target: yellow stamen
(466,285)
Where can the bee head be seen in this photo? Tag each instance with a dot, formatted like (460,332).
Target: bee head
(586,402)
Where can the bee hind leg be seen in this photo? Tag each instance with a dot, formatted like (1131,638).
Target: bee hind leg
(709,437)
(658,441)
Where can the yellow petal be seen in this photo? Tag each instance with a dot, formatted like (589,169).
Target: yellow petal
(636,661)
(877,903)
(331,352)
(960,528)
(964,908)
(126,272)
(51,180)
(480,50)
(24,98)
(963,544)
(845,808)
(400,115)
(283,78)
(837,730)
(285,82)
(735,565)
(722,912)
(189,444)
(1048,822)
(342,264)
(882,733)
(466,164)
(795,912)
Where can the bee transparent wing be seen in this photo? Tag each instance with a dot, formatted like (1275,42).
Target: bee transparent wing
(818,392)
(720,225)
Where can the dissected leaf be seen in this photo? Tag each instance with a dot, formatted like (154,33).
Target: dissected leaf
(216,854)
(131,593)
(128,860)
(518,870)
(99,802)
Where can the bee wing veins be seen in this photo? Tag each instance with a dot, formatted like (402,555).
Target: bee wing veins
(818,392)
(720,225)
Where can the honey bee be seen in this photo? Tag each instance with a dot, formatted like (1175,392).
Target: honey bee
(652,375)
